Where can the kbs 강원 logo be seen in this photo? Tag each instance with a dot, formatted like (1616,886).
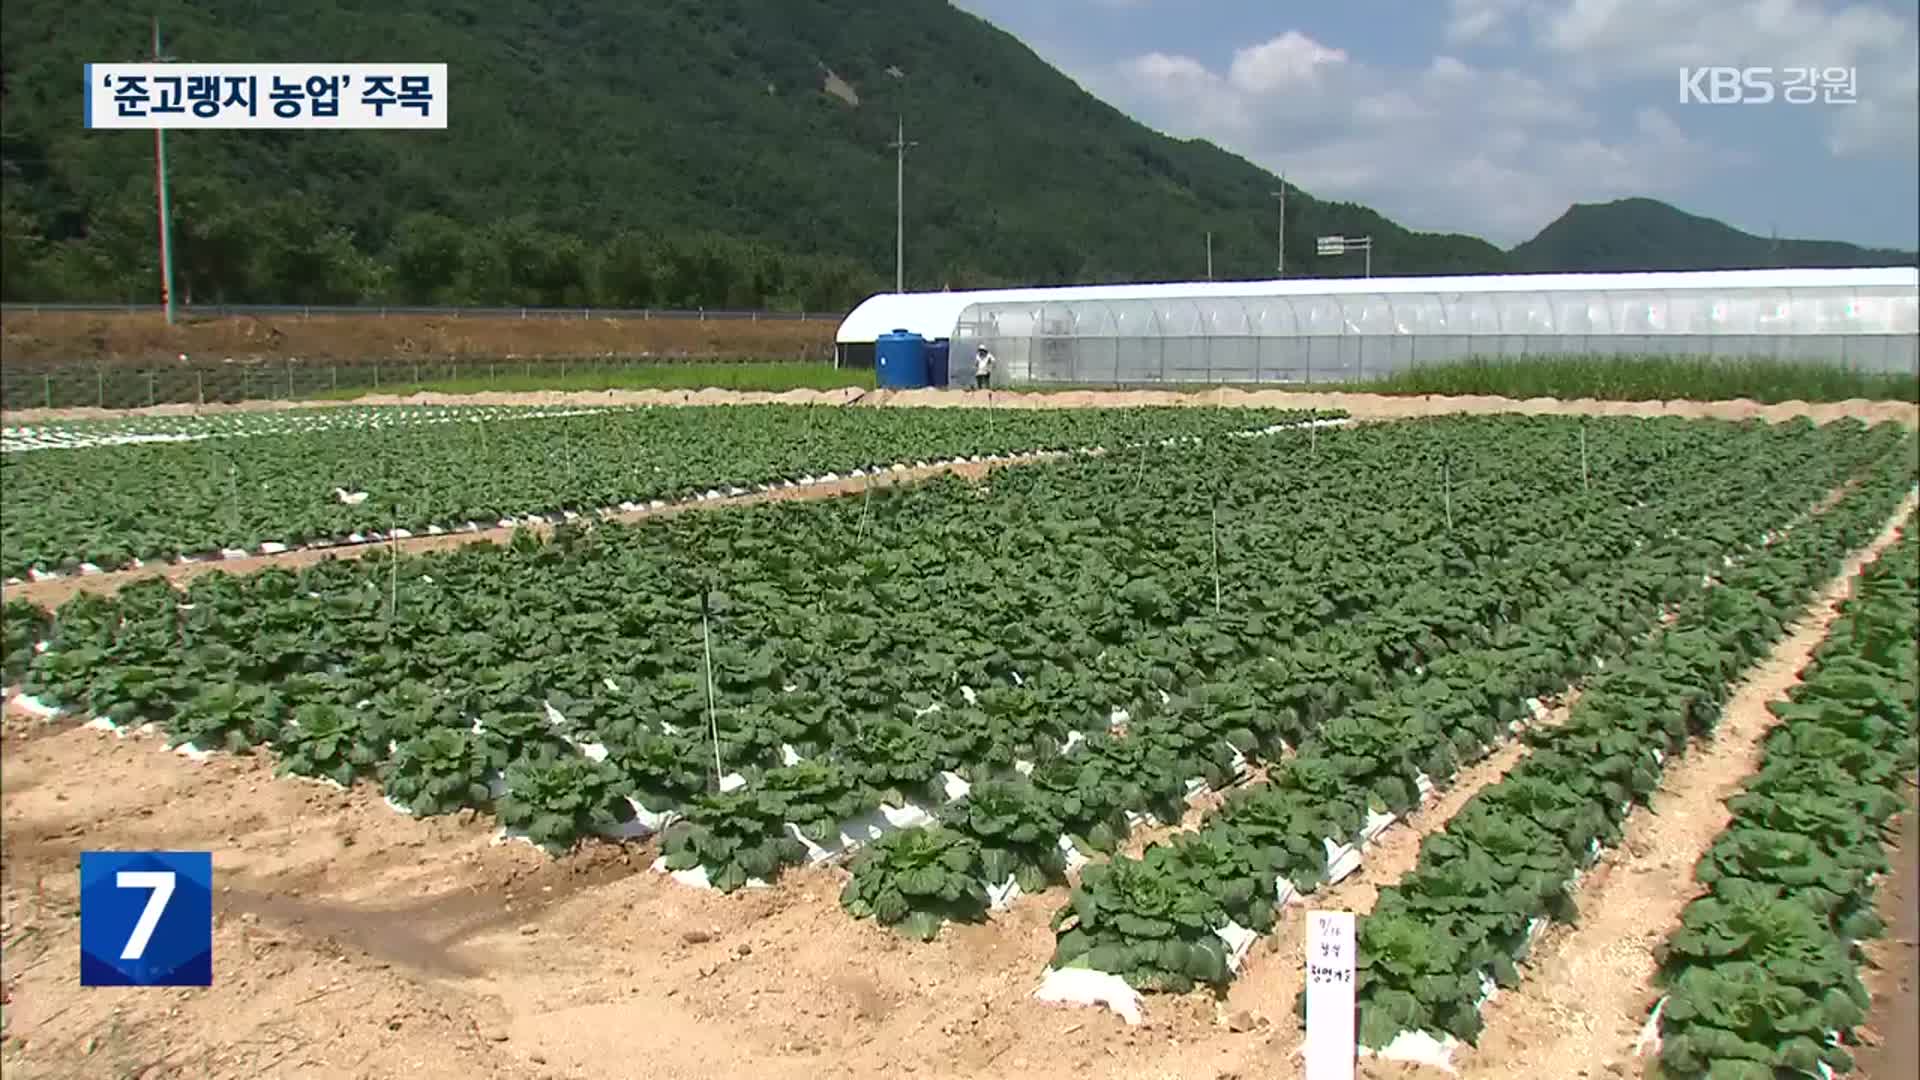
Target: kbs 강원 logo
(1760,85)
(146,918)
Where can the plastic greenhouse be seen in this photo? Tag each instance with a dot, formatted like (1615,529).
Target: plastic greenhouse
(1354,329)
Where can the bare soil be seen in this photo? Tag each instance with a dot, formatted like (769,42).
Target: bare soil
(352,941)
(145,337)
(1361,406)
(1892,1033)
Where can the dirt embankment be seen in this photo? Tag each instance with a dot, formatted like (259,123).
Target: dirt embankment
(1362,406)
(63,337)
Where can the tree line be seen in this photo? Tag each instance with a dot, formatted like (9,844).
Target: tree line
(285,251)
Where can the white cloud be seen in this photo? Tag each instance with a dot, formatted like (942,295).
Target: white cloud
(1448,145)
(1616,41)
(1656,37)
(1483,22)
(1884,123)
(1181,85)
(1289,61)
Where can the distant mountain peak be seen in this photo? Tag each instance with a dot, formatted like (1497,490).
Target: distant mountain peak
(1639,233)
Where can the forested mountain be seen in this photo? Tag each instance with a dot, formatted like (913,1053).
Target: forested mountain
(1642,234)
(632,152)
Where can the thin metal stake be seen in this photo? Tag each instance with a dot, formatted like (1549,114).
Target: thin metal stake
(1446,483)
(1586,479)
(1216,560)
(393,579)
(233,496)
(713,723)
(865,501)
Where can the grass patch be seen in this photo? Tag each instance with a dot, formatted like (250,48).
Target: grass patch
(1604,378)
(1651,378)
(772,377)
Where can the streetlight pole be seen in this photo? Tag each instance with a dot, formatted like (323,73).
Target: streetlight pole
(160,196)
(900,147)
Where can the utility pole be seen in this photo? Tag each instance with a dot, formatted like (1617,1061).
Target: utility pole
(160,195)
(900,147)
(1280,263)
(1209,256)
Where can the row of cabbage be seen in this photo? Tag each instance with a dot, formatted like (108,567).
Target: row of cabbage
(1763,972)
(1177,915)
(1376,707)
(120,430)
(108,507)
(498,636)
(899,650)
(1451,933)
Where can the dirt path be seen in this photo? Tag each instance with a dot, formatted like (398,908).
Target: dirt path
(1893,1024)
(1589,987)
(354,942)
(1366,406)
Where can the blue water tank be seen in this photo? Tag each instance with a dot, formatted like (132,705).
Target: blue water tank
(937,370)
(900,360)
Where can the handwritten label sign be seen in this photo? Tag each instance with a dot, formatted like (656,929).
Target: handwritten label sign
(1330,968)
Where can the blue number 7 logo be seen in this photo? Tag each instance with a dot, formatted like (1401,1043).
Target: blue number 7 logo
(146,918)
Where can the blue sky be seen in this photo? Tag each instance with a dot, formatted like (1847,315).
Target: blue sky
(1493,116)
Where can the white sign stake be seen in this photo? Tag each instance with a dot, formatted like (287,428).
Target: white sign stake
(1330,1046)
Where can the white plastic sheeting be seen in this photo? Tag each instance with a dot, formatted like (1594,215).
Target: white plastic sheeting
(1348,329)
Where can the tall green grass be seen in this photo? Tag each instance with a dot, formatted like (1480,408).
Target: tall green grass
(1605,378)
(773,377)
(1625,378)
(1648,378)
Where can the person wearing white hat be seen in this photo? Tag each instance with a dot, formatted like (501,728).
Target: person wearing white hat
(982,368)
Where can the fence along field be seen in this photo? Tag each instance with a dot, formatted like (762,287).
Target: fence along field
(65,359)
(1041,667)
(202,487)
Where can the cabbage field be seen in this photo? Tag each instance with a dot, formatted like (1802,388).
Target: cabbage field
(166,489)
(971,694)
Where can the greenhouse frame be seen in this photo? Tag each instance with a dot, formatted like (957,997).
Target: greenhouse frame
(1350,330)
